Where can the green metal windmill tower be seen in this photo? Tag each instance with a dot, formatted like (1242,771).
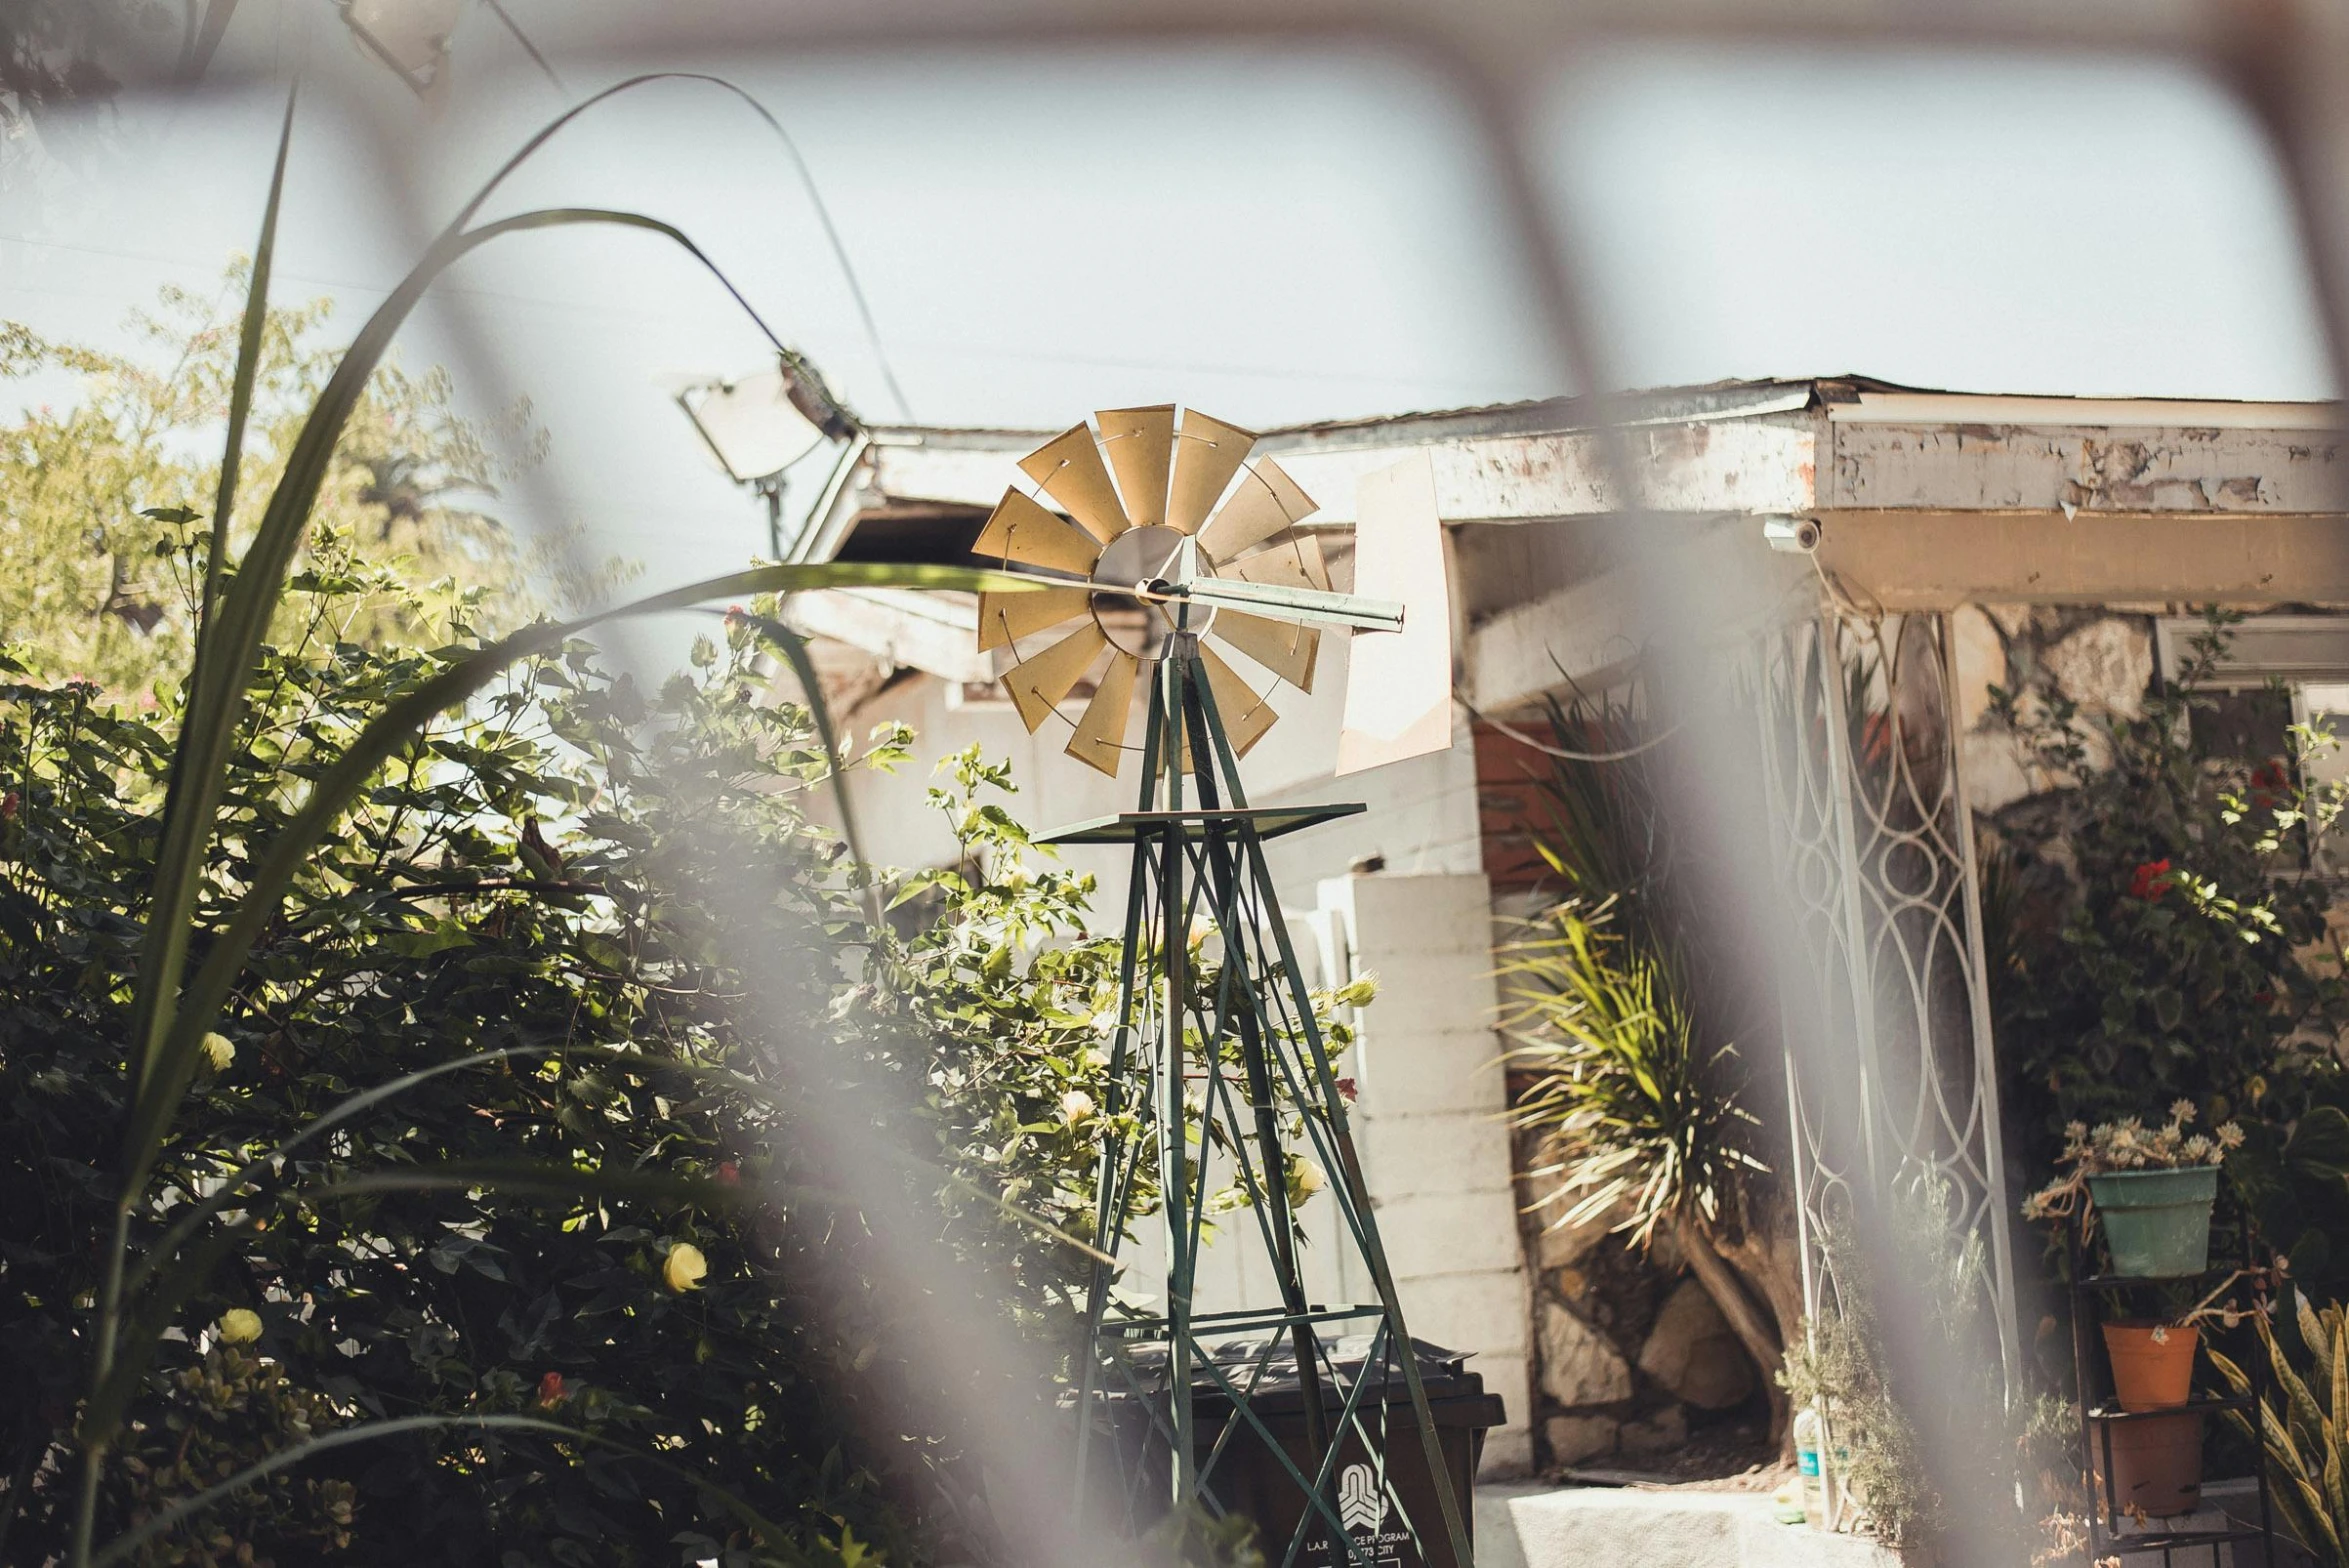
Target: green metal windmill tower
(1314,1418)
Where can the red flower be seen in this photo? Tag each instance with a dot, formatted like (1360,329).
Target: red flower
(550,1391)
(1346,1090)
(2270,775)
(729,1174)
(8,804)
(2150,880)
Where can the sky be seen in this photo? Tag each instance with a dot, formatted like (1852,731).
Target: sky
(1274,238)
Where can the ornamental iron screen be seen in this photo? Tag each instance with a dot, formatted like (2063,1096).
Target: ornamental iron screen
(1885,969)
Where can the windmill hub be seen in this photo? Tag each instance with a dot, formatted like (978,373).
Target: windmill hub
(1137,572)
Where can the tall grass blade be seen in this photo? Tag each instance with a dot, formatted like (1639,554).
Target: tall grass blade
(198,58)
(253,330)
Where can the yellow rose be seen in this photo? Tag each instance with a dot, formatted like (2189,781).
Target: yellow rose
(219,1050)
(1305,1179)
(1075,1106)
(239,1326)
(685,1267)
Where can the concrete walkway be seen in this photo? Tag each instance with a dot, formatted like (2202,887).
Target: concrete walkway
(1533,1526)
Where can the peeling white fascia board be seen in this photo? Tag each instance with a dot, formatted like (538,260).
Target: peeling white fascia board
(1698,468)
(969,476)
(1696,405)
(2110,413)
(834,513)
(1694,466)
(936,634)
(1922,560)
(1979,468)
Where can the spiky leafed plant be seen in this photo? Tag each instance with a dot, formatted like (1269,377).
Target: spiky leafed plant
(186,973)
(1621,1091)
(1632,1084)
(2304,1427)
(1625,1099)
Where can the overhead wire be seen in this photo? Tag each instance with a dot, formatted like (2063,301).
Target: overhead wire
(546,68)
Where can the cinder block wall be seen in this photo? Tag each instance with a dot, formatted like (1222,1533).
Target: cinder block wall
(1429,1123)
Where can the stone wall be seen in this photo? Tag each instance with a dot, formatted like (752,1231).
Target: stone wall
(2100,656)
(1633,1356)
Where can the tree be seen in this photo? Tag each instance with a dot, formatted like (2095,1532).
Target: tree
(99,552)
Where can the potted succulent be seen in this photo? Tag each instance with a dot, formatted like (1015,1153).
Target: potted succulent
(2152,1191)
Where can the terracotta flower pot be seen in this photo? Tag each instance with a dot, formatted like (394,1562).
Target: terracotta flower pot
(2150,1373)
(2156,1465)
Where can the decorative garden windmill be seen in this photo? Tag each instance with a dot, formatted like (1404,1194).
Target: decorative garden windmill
(1150,574)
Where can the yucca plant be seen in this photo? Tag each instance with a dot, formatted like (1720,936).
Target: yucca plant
(1630,1080)
(2304,1426)
(1620,1089)
(187,971)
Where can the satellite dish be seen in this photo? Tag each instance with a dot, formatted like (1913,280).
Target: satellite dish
(1176,532)
(753,427)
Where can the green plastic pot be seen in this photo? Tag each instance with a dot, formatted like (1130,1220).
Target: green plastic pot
(2157,1222)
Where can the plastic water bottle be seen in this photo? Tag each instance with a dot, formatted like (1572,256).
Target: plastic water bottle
(1810,1483)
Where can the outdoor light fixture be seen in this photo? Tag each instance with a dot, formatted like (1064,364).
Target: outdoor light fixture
(758,427)
(410,36)
(1794,535)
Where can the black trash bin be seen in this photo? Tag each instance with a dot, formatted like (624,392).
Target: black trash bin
(1245,1477)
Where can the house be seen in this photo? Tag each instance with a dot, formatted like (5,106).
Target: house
(1956,535)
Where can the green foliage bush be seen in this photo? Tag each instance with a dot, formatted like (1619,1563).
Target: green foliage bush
(523,879)
(2189,956)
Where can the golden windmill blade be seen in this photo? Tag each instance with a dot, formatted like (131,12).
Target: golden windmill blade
(1140,442)
(1210,453)
(1283,647)
(1266,502)
(1138,547)
(1100,741)
(1038,684)
(1020,530)
(1246,716)
(1068,469)
(1296,564)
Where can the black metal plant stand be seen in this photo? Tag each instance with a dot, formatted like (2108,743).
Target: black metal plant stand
(1293,1398)
(2101,1413)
